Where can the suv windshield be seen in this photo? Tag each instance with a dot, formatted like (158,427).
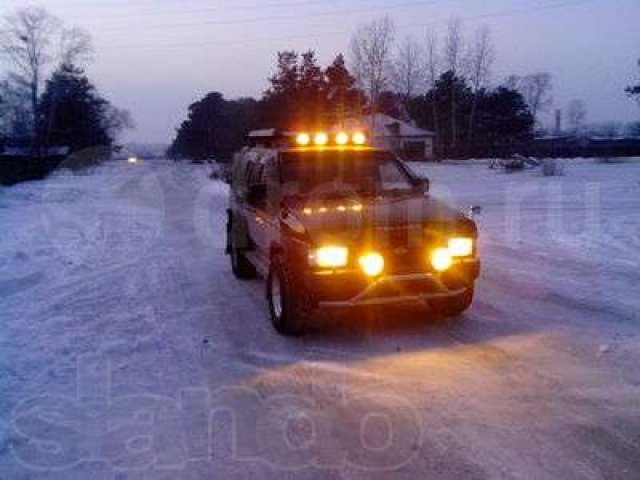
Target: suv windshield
(342,172)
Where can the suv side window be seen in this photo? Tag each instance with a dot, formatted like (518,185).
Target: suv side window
(258,175)
(248,172)
(257,188)
(271,170)
(391,176)
(271,178)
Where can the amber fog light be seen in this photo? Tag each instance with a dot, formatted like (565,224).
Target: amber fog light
(441,259)
(371,263)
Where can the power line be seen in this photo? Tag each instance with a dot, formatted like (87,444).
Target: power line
(527,10)
(277,18)
(110,4)
(196,11)
(254,41)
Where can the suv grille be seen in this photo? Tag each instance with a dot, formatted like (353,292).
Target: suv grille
(403,260)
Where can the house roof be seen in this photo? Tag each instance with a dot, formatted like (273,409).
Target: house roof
(387,126)
(265,132)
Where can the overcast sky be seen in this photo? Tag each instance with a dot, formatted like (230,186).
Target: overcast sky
(155,57)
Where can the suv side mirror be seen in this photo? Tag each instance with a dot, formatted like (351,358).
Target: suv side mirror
(421,185)
(474,211)
(257,195)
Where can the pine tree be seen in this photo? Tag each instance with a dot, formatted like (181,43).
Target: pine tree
(303,95)
(73,114)
(344,99)
(502,115)
(310,96)
(215,128)
(278,102)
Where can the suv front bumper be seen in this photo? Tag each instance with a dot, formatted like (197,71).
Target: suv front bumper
(352,289)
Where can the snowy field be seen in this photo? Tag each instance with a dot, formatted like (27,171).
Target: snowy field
(129,351)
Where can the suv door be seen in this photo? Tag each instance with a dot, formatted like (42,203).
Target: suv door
(257,218)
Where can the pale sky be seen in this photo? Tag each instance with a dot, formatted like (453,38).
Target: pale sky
(155,57)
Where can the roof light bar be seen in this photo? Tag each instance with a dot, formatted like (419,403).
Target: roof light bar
(359,138)
(303,139)
(321,139)
(342,138)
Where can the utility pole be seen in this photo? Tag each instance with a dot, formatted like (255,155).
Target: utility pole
(558,120)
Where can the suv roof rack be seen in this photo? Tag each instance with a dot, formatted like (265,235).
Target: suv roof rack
(268,138)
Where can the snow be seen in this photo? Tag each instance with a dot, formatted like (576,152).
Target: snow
(124,338)
(560,230)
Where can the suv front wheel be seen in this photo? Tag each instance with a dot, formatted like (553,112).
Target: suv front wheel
(285,302)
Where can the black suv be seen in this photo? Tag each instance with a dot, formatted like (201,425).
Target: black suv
(330,222)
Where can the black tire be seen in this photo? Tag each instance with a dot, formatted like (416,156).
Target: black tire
(286,312)
(240,266)
(454,306)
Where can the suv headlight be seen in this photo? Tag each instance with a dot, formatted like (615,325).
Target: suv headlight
(330,256)
(460,246)
(371,263)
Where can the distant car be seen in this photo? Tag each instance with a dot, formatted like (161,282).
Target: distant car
(132,159)
(330,222)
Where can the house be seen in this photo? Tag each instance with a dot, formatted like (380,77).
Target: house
(407,141)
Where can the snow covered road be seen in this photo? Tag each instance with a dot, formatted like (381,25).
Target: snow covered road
(129,351)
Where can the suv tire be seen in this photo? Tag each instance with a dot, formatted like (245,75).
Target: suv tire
(240,266)
(285,305)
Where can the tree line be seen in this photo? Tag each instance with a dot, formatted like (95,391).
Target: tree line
(440,89)
(440,84)
(301,94)
(46,98)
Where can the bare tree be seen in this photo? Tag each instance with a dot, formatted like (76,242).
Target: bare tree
(512,82)
(357,70)
(371,49)
(453,54)
(576,115)
(432,70)
(634,90)
(536,90)
(116,120)
(32,40)
(75,46)
(478,65)
(15,118)
(25,39)
(408,69)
